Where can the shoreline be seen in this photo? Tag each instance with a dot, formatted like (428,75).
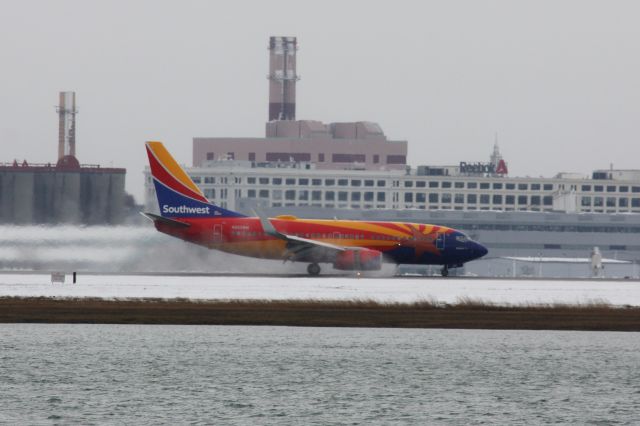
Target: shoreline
(467,314)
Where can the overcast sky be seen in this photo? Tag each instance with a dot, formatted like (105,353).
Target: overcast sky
(558,80)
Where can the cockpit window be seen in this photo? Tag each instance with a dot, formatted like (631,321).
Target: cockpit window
(462,238)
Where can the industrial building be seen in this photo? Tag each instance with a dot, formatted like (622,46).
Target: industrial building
(64,192)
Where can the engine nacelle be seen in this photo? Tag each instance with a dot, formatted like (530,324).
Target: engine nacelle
(358,259)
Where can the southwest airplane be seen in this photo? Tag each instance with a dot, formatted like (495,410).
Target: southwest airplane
(349,245)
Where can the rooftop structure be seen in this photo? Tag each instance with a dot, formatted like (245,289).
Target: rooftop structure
(67,125)
(282,78)
(336,146)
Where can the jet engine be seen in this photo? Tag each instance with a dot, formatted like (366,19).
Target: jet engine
(358,259)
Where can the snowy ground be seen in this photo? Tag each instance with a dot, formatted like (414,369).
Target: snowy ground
(448,290)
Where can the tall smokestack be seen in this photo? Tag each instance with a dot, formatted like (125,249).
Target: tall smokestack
(67,124)
(282,78)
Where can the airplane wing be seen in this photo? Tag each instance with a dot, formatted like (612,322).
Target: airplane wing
(297,246)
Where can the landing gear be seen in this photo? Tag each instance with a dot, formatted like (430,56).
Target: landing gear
(313,269)
(444,271)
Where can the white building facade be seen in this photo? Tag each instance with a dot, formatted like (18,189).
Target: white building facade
(229,184)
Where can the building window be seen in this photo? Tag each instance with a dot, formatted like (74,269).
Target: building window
(597,201)
(522,200)
(321,158)
(329,196)
(434,184)
(421,184)
(484,198)
(446,198)
(356,182)
(263,180)
(635,202)
(276,194)
(611,188)
(329,182)
(251,180)
(290,181)
(472,185)
(303,194)
(252,156)
(623,202)
(303,182)
(510,199)
(510,186)
(231,155)
(210,156)
(523,187)
(472,199)
(316,195)
(598,188)
(376,158)
(343,182)
(585,201)
(497,199)
(264,193)
(446,184)
(380,197)
(381,183)
(343,196)
(251,193)
(355,196)
(535,200)
(547,200)
(497,185)
(585,188)
(288,156)
(276,181)
(396,159)
(290,194)
(624,188)
(368,196)
(547,187)
(458,198)
(458,185)
(408,197)
(316,182)
(611,202)
(433,198)
(421,197)
(348,158)
(535,187)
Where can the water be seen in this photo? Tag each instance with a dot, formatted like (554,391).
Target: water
(136,374)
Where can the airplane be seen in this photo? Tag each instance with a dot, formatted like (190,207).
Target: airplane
(350,245)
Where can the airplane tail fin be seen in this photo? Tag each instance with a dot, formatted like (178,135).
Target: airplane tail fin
(177,195)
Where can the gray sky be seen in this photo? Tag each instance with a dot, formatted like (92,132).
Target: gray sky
(558,80)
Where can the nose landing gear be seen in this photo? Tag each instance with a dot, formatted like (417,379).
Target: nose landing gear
(444,271)
(313,269)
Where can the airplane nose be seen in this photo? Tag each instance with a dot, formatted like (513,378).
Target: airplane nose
(480,250)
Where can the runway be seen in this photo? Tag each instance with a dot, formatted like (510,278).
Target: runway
(339,288)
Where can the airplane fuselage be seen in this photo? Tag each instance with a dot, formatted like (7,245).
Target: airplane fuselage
(399,242)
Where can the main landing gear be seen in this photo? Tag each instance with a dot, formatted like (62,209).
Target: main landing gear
(313,269)
(444,271)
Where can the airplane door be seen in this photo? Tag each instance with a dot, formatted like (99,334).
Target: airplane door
(217,233)
(440,241)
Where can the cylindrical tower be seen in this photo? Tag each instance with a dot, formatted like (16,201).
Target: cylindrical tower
(282,78)
(67,124)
